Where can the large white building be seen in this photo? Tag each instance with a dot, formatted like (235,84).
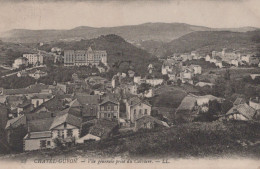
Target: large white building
(84,57)
(34,58)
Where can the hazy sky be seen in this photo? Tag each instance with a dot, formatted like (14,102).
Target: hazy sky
(67,14)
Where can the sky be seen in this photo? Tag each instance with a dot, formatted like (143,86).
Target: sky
(60,14)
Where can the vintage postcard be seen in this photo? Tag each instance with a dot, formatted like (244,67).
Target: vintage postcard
(130,84)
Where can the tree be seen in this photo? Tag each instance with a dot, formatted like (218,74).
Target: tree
(143,87)
(226,106)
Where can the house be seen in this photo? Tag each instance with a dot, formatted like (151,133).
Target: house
(108,109)
(207,58)
(43,132)
(219,64)
(39,135)
(203,84)
(38,74)
(87,138)
(196,68)
(149,122)
(240,112)
(254,76)
(234,62)
(66,126)
(22,73)
(136,108)
(14,123)
(148,93)
(137,79)
(89,104)
(131,73)
(25,107)
(154,82)
(21,61)
(38,99)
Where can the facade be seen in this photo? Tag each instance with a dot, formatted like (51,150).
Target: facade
(20,62)
(197,69)
(34,59)
(136,108)
(84,57)
(108,109)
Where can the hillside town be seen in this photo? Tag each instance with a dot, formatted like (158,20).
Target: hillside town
(94,107)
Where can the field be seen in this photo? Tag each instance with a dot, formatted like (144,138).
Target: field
(217,139)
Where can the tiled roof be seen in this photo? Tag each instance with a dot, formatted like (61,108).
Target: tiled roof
(84,99)
(136,100)
(42,96)
(243,109)
(40,124)
(15,122)
(21,91)
(37,116)
(239,101)
(187,103)
(68,118)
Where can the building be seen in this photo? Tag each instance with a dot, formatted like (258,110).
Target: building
(34,59)
(149,122)
(21,61)
(38,99)
(22,73)
(197,69)
(154,82)
(39,135)
(43,132)
(84,57)
(38,74)
(240,112)
(108,109)
(136,108)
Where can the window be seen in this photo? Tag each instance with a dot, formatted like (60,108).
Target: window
(115,107)
(65,125)
(108,115)
(48,143)
(69,133)
(43,143)
(59,133)
(145,111)
(140,112)
(105,115)
(108,108)
(134,111)
(102,108)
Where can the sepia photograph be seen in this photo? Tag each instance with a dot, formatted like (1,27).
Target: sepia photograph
(130,84)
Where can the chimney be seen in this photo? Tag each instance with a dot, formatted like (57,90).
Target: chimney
(257,99)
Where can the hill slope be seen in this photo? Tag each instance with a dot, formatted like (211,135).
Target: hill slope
(206,41)
(148,31)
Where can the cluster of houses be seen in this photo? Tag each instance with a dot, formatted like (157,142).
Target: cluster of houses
(54,114)
(175,70)
(233,58)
